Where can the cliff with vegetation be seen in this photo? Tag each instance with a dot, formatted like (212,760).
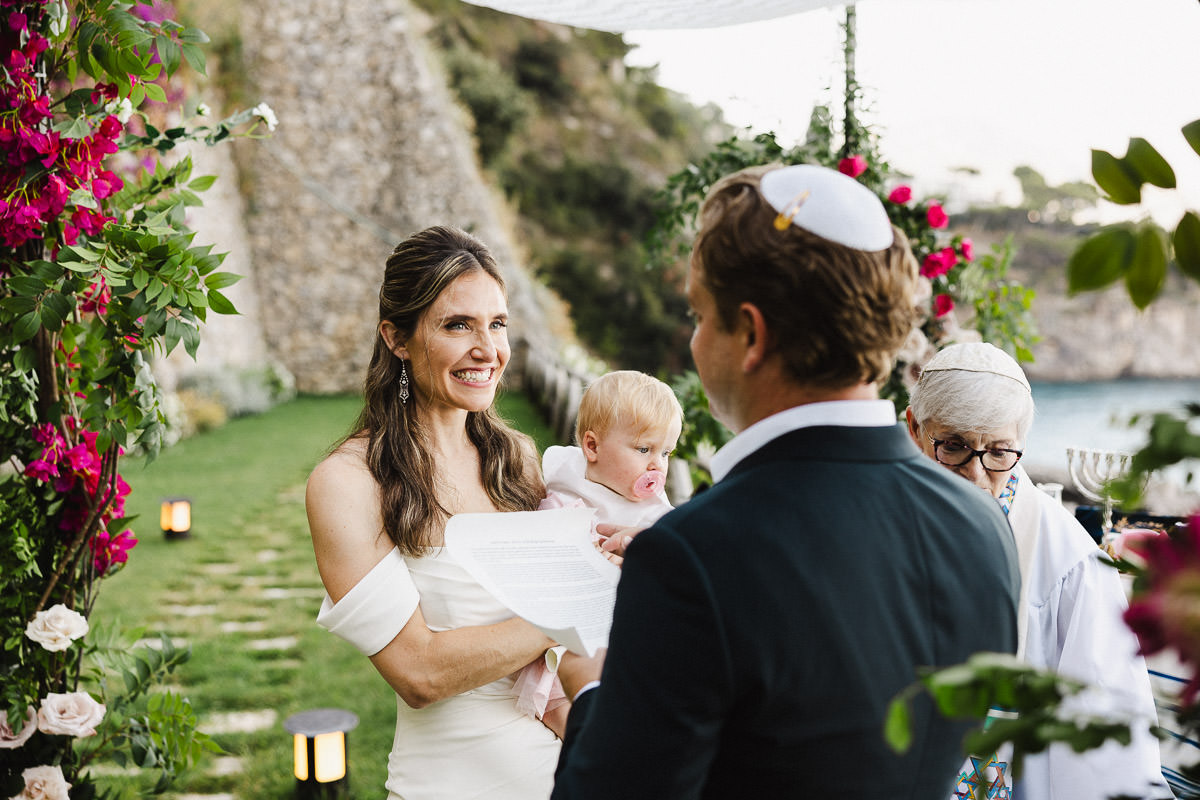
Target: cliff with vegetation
(394,115)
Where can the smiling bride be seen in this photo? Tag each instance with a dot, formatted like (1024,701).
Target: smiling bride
(429,445)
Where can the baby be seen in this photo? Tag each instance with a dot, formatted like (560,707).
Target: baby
(628,425)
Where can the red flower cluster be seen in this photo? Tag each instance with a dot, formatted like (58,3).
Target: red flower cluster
(938,263)
(937,216)
(1165,612)
(40,168)
(75,473)
(853,166)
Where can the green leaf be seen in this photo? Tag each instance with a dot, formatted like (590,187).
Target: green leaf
(194,57)
(168,51)
(1148,164)
(1191,132)
(155,92)
(1148,269)
(897,726)
(1100,260)
(193,36)
(1115,177)
(220,303)
(219,280)
(1187,243)
(202,183)
(26,285)
(26,327)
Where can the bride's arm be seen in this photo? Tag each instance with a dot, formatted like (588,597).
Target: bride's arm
(421,665)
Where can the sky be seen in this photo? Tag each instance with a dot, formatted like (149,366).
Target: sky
(967,83)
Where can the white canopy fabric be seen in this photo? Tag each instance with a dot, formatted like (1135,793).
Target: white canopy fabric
(619,16)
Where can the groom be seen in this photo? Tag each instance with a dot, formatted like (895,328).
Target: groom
(761,629)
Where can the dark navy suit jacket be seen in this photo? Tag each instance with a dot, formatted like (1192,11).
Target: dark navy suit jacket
(762,628)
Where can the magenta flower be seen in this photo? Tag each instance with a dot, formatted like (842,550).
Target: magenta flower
(967,248)
(1164,611)
(900,195)
(853,166)
(41,470)
(17,21)
(109,551)
(938,263)
(943,304)
(937,216)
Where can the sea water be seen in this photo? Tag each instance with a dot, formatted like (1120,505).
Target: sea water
(1096,415)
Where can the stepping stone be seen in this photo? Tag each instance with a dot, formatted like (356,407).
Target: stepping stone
(281,643)
(221,568)
(156,643)
(190,611)
(279,593)
(226,765)
(252,626)
(238,722)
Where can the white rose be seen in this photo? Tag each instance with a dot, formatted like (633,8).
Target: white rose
(71,714)
(44,783)
(10,740)
(56,627)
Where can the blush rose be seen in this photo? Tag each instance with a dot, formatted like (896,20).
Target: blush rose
(10,740)
(70,714)
(44,783)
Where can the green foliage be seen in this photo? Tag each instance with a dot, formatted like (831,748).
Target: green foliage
(101,276)
(1143,255)
(497,104)
(1029,697)
(538,64)
(1002,306)
(701,433)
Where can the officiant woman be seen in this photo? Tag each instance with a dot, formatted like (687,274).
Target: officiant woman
(429,445)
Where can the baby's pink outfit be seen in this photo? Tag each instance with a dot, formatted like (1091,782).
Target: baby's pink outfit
(537,687)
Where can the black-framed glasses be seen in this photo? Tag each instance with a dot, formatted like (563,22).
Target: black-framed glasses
(956,454)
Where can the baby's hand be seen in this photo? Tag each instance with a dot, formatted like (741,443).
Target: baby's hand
(614,540)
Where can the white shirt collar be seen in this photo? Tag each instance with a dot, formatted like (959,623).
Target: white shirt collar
(846,413)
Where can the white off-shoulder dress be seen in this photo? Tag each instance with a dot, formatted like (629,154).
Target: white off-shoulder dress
(473,745)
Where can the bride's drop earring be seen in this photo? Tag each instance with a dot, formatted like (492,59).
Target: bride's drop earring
(403,383)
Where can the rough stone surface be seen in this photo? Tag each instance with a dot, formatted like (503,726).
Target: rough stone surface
(369,149)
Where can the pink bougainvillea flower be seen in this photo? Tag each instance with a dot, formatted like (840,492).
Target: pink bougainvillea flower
(936,215)
(967,248)
(853,166)
(109,551)
(900,195)
(41,470)
(17,21)
(96,297)
(1164,610)
(111,127)
(943,304)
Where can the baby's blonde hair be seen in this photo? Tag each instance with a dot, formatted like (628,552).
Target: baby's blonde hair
(627,398)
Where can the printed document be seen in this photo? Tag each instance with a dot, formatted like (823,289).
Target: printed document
(544,567)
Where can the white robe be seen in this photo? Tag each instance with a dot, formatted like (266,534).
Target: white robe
(1069,620)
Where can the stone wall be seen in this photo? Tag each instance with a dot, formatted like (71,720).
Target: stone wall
(369,149)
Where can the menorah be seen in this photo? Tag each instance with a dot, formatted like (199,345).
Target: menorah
(1092,471)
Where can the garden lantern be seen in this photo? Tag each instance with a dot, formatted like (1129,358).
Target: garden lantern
(319,744)
(175,517)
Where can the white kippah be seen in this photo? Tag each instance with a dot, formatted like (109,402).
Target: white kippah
(829,204)
(977,357)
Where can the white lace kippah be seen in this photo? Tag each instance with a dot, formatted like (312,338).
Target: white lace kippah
(831,205)
(977,357)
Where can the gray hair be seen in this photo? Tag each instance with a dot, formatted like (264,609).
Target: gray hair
(971,402)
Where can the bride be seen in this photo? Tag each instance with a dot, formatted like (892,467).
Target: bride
(429,445)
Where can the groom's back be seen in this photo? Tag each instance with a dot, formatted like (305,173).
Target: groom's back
(833,581)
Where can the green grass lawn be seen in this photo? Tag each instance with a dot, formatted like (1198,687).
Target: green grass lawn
(243,592)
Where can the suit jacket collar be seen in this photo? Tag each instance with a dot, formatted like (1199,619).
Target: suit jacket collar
(834,443)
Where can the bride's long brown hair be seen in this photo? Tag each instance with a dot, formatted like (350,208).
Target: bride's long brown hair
(398,454)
